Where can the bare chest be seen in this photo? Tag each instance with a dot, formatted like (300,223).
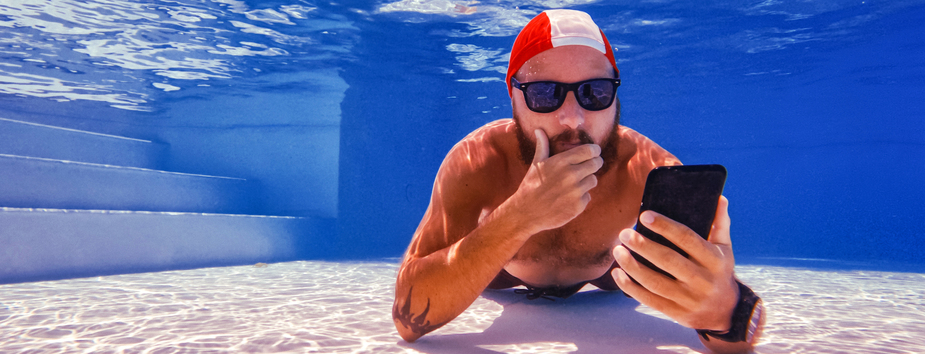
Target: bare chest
(579,251)
(586,241)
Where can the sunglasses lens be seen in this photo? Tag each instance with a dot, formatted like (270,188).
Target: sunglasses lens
(595,95)
(543,97)
(548,96)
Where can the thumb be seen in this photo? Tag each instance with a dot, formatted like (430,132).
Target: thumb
(542,146)
(719,234)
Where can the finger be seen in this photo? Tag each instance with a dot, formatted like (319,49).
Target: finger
(585,200)
(706,254)
(646,277)
(644,296)
(581,154)
(662,257)
(542,146)
(719,236)
(652,287)
(589,167)
(719,233)
(678,233)
(587,183)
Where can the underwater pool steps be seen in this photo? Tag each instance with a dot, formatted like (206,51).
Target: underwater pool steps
(81,243)
(30,182)
(44,166)
(76,203)
(40,140)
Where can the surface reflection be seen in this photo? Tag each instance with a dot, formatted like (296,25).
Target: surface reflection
(122,52)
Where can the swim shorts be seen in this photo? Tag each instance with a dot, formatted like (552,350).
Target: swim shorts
(505,280)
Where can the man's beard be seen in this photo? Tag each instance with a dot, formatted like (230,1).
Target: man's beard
(608,146)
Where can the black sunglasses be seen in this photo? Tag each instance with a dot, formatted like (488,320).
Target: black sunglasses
(548,96)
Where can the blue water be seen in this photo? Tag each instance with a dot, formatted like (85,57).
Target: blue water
(344,110)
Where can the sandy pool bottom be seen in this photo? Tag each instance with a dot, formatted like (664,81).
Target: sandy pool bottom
(329,307)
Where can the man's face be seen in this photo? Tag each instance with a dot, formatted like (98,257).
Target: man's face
(570,125)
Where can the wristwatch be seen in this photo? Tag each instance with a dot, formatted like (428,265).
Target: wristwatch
(747,319)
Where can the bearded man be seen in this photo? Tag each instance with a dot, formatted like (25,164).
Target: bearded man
(548,200)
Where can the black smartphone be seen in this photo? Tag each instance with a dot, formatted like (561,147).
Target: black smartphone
(687,194)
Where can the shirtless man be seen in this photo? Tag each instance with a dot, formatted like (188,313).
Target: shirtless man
(548,200)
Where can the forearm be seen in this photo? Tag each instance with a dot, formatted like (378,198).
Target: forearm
(432,290)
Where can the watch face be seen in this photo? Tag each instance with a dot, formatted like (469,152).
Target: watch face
(754,323)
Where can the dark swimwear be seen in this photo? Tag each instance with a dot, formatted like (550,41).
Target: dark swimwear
(505,280)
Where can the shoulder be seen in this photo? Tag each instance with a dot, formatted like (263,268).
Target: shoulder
(492,138)
(479,169)
(640,154)
(485,152)
(471,178)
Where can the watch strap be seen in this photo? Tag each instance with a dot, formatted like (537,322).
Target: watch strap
(746,319)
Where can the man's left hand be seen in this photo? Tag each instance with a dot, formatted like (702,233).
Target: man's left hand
(704,293)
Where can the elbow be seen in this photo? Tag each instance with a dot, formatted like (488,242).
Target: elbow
(404,321)
(407,334)
(409,325)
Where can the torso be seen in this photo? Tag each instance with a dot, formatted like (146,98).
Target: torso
(581,249)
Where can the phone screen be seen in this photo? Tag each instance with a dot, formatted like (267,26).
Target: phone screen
(687,194)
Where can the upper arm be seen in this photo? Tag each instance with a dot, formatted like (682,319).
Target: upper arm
(460,194)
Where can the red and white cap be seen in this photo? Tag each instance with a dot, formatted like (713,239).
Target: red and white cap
(556,28)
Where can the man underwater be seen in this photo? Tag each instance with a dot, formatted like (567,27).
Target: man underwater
(548,200)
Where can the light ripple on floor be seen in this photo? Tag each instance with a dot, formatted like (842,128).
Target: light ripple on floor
(312,306)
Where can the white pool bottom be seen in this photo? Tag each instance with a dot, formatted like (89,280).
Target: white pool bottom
(325,307)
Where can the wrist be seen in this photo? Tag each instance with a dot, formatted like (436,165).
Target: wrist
(747,319)
(518,214)
(513,218)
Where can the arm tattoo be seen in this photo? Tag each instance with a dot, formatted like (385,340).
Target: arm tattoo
(408,320)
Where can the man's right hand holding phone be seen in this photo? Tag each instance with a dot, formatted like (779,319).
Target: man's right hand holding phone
(704,293)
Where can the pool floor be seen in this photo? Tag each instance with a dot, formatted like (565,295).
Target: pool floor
(329,307)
